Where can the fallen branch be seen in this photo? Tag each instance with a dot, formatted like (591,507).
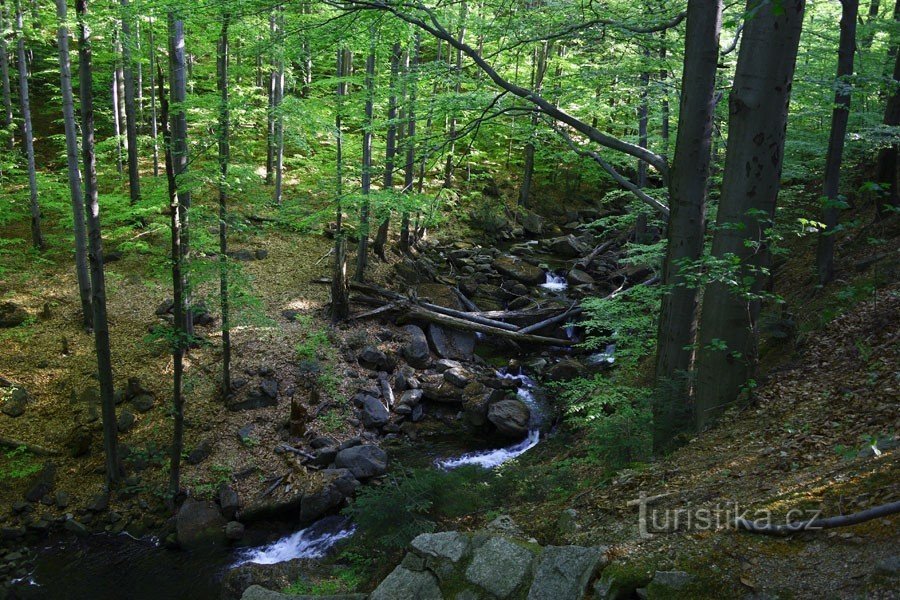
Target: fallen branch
(274,485)
(33,448)
(816,524)
(376,311)
(572,311)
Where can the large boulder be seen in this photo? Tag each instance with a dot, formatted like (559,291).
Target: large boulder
(519,270)
(579,277)
(404,584)
(199,523)
(444,545)
(12,315)
(532,223)
(566,246)
(440,294)
(416,351)
(565,370)
(372,412)
(14,400)
(510,416)
(501,567)
(363,461)
(564,572)
(376,360)
(458,345)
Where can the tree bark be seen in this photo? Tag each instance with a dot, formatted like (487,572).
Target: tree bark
(687,204)
(71,128)
(833,159)
(758,108)
(390,150)
(153,116)
(8,123)
(270,114)
(224,158)
(95,249)
(410,142)
(539,70)
(362,251)
(134,181)
(276,106)
(116,94)
(457,88)
(37,236)
(887,157)
(340,291)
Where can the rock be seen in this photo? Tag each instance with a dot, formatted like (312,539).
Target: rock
(324,456)
(363,461)
(165,308)
(143,402)
(416,351)
(78,442)
(889,566)
(15,399)
(664,583)
(199,523)
(501,567)
(415,272)
(229,501)
(564,572)
(322,441)
(444,364)
(245,433)
(532,223)
(269,387)
(445,545)
(411,398)
(438,390)
(374,359)
(61,499)
(200,453)
(458,377)
(565,370)
(510,417)
(261,397)
(125,421)
(76,527)
(477,398)
(234,530)
(241,255)
(458,345)
(439,294)
(372,412)
(42,483)
(12,533)
(519,270)
(565,246)
(99,502)
(405,584)
(579,277)
(12,315)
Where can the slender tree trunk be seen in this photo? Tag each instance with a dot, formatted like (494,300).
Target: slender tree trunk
(390,150)
(640,226)
(71,128)
(451,135)
(428,121)
(37,236)
(279,116)
(95,248)
(840,114)
(8,123)
(887,157)
(664,85)
(362,252)
(340,285)
(139,64)
(270,114)
(687,205)
(538,71)
(224,158)
(758,108)
(410,142)
(116,105)
(153,115)
(134,182)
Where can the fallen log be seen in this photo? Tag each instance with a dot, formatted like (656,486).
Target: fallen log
(817,523)
(371,313)
(572,311)
(33,448)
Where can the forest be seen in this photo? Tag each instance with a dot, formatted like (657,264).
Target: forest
(449,299)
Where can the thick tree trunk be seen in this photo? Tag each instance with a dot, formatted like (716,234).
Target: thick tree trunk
(362,251)
(840,114)
(95,249)
(224,157)
(340,290)
(153,116)
(390,150)
(71,128)
(37,236)
(457,88)
(134,181)
(687,204)
(758,108)
(279,116)
(8,123)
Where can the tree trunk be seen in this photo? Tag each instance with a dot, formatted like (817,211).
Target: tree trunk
(687,204)
(362,251)
(758,108)
(8,123)
(270,114)
(840,114)
(457,88)
(640,226)
(134,182)
(887,157)
(37,236)
(340,290)
(224,157)
(153,117)
(95,248)
(410,142)
(539,70)
(390,150)
(664,85)
(279,116)
(116,94)
(71,128)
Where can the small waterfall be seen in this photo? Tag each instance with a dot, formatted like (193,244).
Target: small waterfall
(554,282)
(313,542)
(607,357)
(488,459)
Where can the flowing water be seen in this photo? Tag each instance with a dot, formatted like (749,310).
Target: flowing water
(313,542)
(554,282)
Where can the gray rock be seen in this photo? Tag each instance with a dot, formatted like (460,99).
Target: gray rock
(565,370)
(500,567)
(11,315)
(234,530)
(76,527)
(125,421)
(374,359)
(269,387)
(458,376)
(411,398)
(458,345)
(99,502)
(143,402)
(403,584)
(42,483)
(363,461)
(566,246)
(324,456)
(15,399)
(889,565)
(611,587)
(445,545)
(322,441)
(579,277)
(61,499)
(229,501)
(445,364)
(519,270)
(200,453)
(564,572)
(674,580)
(372,412)
(416,351)
(510,417)
(199,523)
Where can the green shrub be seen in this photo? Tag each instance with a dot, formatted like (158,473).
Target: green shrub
(18,463)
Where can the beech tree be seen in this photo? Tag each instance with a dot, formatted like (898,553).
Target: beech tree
(5,89)
(37,235)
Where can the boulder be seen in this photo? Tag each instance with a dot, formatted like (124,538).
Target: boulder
(199,523)
(12,315)
(234,530)
(338,484)
(229,501)
(566,246)
(510,416)
(416,351)
(125,421)
(200,452)
(403,583)
(440,294)
(414,272)
(667,584)
(261,397)
(519,270)
(532,223)
(579,277)
(445,545)
(363,461)
(458,376)
(143,402)
(565,370)
(438,390)
(78,442)
(372,412)
(564,572)
(76,527)
(458,345)
(42,483)
(501,567)
(15,399)
(374,359)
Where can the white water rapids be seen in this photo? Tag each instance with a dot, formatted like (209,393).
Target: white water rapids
(313,542)
(554,282)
